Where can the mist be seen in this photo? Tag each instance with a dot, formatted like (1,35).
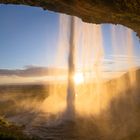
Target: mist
(104,105)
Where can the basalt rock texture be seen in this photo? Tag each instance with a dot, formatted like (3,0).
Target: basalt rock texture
(125,12)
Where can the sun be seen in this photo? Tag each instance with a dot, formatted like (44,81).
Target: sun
(78,78)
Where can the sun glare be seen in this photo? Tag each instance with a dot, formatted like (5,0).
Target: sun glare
(78,78)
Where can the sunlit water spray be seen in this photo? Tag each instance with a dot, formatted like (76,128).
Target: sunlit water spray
(89,66)
(70,110)
(94,86)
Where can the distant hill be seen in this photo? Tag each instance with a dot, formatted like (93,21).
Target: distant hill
(33,71)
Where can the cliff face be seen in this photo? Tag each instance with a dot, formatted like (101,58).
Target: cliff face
(125,12)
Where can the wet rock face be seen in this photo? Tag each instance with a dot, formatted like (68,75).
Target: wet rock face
(125,12)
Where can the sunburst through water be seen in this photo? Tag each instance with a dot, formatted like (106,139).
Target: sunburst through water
(88,91)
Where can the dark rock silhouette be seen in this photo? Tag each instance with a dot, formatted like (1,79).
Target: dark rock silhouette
(123,12)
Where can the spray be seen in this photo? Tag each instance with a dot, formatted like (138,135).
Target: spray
(71,70)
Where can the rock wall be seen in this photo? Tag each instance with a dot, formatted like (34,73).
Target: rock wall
(125,12)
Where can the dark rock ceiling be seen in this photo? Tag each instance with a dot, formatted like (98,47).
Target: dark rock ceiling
(125,12)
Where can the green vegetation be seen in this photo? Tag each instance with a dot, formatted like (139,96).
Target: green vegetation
(12,102)
(9,131)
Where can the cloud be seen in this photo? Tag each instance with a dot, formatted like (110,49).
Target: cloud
(124,57)
(108,62)
(32,71)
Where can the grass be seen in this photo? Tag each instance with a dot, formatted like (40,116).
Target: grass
(9,131)
(12,98)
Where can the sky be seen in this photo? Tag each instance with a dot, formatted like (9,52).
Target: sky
(29,38)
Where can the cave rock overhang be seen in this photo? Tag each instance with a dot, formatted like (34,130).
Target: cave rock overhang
(124,12)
